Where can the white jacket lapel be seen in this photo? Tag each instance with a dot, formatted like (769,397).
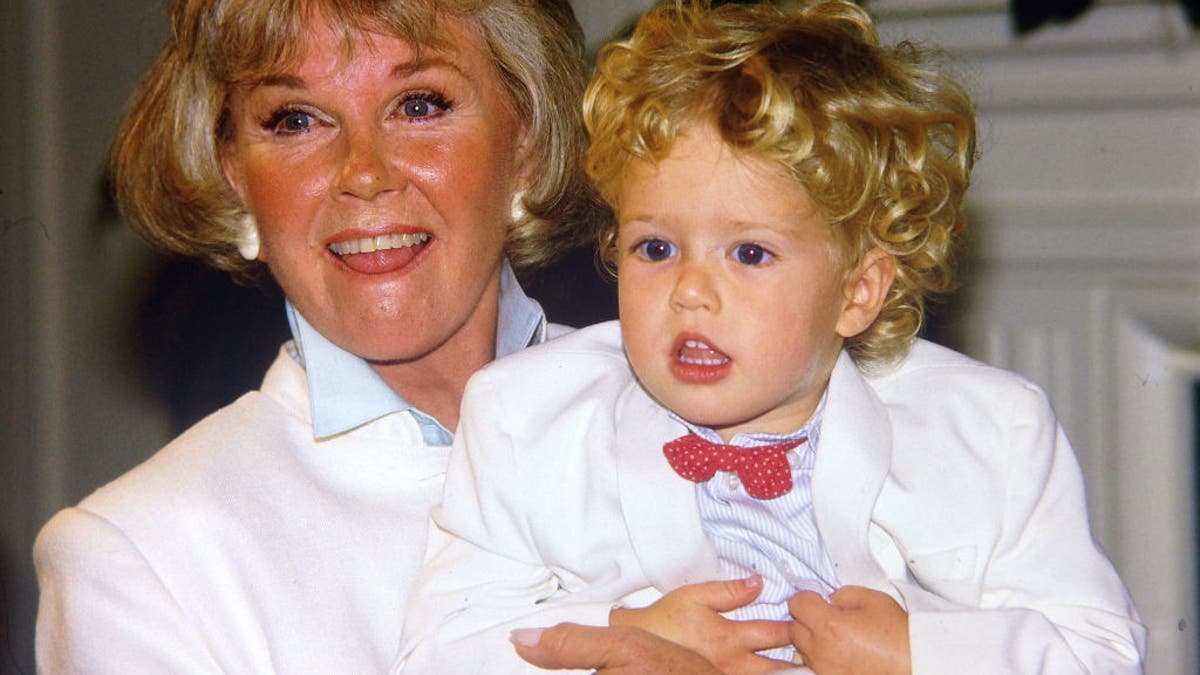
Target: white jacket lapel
(659,506)
(852,463)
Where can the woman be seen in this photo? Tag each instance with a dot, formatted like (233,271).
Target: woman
(382,161)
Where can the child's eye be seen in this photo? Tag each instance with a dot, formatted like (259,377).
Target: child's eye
(423,105)
(655,250)
(751,254)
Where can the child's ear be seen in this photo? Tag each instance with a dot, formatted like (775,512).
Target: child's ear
(865,291)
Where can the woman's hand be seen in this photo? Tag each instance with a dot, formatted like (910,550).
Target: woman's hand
(858,632)
(609,650)
(691,616)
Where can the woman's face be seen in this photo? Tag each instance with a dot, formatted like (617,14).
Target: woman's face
(381,185)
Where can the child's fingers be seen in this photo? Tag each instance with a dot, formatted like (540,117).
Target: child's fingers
(854,597)
(809,611)
(809,608)
(722,596)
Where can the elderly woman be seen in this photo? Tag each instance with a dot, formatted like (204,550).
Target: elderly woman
(384,162)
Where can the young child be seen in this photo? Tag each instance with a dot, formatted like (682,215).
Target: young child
(787,192)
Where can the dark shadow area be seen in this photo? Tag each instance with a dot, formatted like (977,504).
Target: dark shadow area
(10,661)
(203,340)
(574,291)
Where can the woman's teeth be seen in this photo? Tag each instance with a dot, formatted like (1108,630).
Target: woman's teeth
(695,352)
(383,242)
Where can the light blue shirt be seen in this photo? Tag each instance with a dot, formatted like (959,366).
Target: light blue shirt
(347,393)
(776,538)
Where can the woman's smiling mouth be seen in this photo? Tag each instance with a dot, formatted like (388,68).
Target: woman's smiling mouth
(383,242)
(381,254)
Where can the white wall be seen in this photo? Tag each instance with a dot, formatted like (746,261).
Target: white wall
(1083,212)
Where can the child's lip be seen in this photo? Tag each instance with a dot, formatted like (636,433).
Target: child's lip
(697,350)
(695,360)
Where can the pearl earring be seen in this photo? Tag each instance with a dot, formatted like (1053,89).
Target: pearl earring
(518,206)
(247,237)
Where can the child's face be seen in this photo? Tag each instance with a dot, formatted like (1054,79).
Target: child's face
(731,289)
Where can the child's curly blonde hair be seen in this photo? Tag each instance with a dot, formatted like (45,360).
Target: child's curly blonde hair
(883,142)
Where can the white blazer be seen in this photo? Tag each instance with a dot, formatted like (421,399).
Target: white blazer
(945,482)
(244,546)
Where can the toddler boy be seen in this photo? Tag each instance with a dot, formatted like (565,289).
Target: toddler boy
(787,192)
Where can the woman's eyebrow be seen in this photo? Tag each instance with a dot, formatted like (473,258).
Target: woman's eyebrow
(279,80)
(425,63)
(401,70)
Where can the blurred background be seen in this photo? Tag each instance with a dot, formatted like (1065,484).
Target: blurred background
(1084,273)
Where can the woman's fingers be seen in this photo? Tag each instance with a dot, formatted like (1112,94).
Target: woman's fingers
(615,650)
(760,635)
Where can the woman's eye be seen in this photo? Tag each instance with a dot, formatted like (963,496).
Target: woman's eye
(423,106)
(289,122)
(751,254)
(655,250)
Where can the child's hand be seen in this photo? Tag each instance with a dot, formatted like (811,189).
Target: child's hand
(691,616)
(858,632)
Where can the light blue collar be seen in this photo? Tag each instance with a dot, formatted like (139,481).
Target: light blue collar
(346,393)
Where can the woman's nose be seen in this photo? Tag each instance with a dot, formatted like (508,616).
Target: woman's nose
(366,167)
(695,287)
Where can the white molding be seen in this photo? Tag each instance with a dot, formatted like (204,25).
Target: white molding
(1149,230)
(1116,52)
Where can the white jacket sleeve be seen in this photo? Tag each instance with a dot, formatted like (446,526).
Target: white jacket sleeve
(486,570)
(1049,601)
(103,609)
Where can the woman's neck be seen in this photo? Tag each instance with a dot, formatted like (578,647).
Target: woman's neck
(434,382)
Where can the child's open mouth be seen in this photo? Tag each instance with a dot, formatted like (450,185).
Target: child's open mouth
(698,352)
(698,362)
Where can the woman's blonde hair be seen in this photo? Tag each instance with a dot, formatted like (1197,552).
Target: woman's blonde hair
(166,159)
(882,142)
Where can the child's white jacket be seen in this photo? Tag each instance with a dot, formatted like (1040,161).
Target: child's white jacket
(945,482)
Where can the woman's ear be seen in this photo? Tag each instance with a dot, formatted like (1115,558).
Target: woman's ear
(527,159)
(865,292)
(230,168)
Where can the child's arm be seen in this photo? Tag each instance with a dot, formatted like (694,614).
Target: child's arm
(1035,594)
(1048,600)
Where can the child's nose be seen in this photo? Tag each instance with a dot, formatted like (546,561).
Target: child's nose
(695,288)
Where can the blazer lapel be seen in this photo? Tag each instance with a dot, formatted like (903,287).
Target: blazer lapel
(658,505)
(853,457)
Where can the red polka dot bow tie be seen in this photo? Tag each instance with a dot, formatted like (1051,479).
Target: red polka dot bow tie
(764,471)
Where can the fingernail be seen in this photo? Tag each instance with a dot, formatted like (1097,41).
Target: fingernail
(526,637)
(754,581)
